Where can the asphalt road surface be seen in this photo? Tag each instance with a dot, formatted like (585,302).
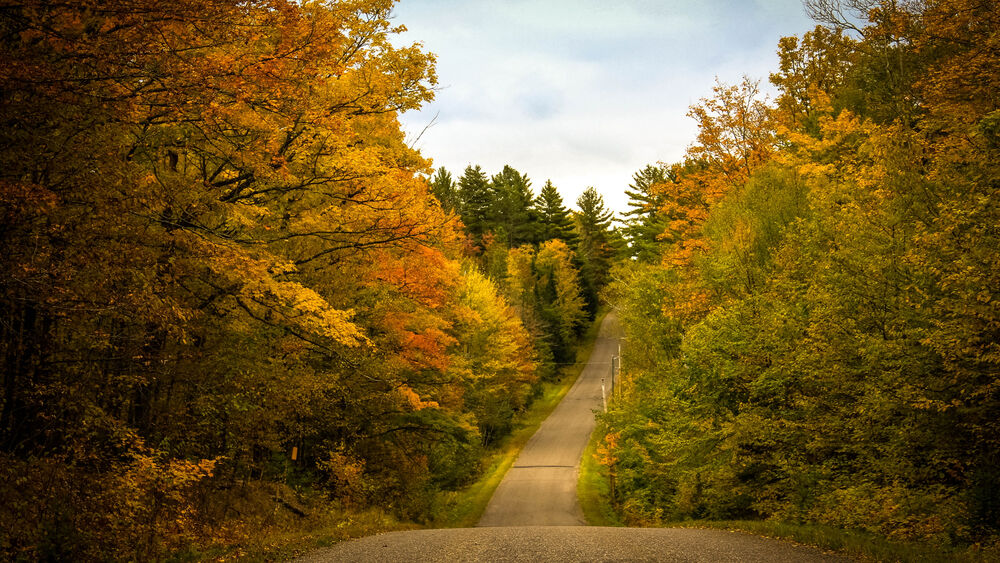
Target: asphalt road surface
(543,544)
(540,489)
(534,514)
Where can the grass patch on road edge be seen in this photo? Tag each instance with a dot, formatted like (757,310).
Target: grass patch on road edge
(593,489)
(462,509)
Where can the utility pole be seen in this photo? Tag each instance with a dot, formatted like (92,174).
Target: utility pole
(613,382)
(619,366)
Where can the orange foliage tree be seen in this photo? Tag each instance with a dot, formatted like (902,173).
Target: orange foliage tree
(735,138)
(216,246)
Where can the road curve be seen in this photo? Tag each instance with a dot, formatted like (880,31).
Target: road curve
(540,488)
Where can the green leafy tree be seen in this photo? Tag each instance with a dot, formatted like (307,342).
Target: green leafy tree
(544,286)
(495,361)
(559,296)
(840,364)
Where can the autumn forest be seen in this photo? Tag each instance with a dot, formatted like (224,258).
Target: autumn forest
(234,298)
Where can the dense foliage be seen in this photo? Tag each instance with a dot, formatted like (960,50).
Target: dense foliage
(548,260)
(819,340)
(222,270)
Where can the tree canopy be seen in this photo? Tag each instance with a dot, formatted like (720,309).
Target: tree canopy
(817,342)
(223,273)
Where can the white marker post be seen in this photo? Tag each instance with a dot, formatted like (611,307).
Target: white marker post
(603,398)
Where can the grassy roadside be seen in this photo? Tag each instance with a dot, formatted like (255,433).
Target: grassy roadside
(593,487)
(462,509)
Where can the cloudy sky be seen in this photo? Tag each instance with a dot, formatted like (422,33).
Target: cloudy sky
(582,92)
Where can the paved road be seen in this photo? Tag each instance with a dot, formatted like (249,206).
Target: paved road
(537,544)
(540,489)
(534,514)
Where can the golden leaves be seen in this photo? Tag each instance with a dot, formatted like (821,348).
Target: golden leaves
(606,450)
(413,400)
(261,285)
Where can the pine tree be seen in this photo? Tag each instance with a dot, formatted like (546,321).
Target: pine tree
(554,220)
(444,189)
(474,199)
(643,222)
(511,213)
(594,249)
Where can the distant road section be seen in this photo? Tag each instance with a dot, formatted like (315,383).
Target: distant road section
(540,489)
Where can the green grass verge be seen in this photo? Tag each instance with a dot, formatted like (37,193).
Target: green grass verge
(862,545)
(462,509)
(594,488)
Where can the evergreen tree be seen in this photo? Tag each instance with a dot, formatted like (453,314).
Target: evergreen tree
(474,199)
(594,249)
(554,221)
(511,213)
(644,222)
(444,189)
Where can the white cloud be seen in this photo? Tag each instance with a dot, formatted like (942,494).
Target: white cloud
(584,92)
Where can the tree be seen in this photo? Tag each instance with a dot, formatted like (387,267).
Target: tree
(643,222)
(511,214)
(445,190)
(215,247)
(594,250)
(475,202)
(813,72)
(826,350)
(735,134)
(735,138)
(885,68)
(554,219)
(956,236)
(559,295)
(495,362)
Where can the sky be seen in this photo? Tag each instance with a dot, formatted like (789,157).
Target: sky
(582,92)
